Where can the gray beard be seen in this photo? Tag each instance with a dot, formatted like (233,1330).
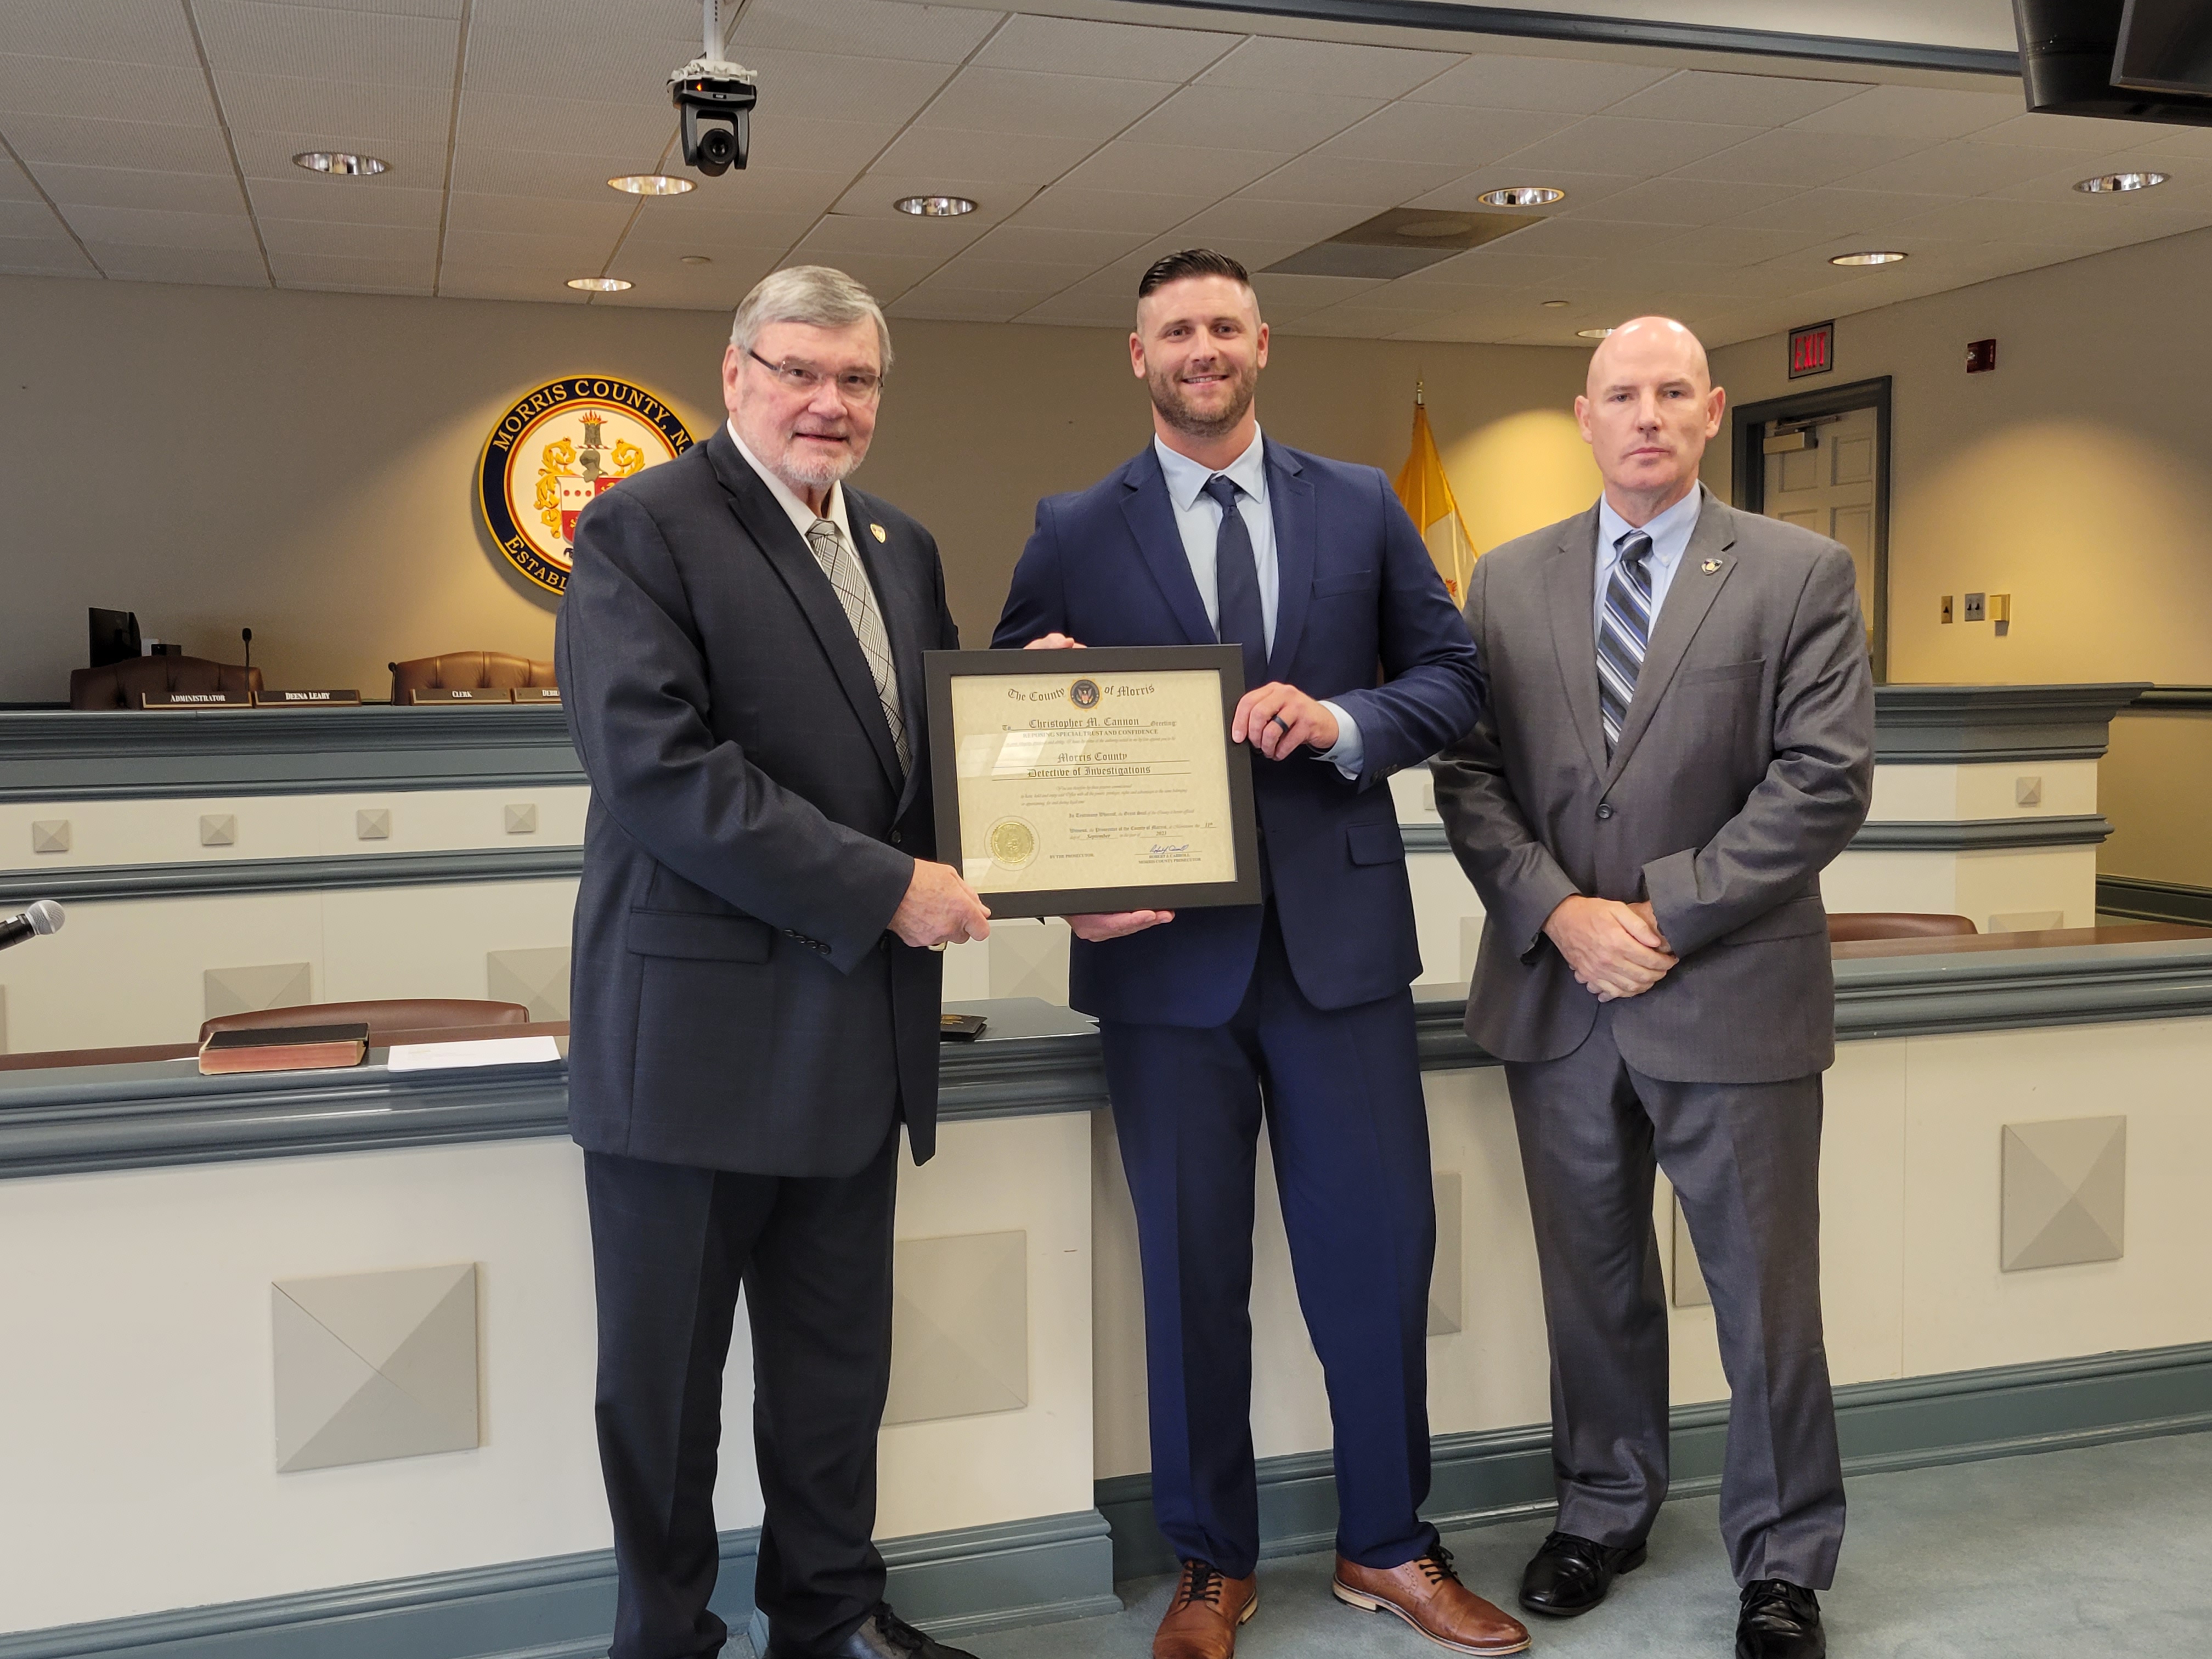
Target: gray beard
(816,474)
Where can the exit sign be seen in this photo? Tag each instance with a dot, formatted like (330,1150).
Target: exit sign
(1812,349)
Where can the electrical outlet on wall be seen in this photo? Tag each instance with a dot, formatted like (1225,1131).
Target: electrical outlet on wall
(1977,607)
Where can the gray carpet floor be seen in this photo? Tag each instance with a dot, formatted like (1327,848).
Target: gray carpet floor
(2105,1551)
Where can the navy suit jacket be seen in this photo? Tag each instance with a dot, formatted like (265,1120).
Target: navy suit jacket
(1364,620)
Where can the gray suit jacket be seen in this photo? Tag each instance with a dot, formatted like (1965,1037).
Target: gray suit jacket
(1744,766)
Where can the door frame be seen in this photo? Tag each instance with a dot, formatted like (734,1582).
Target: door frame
(1748,474)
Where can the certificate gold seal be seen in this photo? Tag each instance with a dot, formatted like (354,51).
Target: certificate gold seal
(1012,843)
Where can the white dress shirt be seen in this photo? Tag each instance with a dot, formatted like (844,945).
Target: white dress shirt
(1198,520)
(1670,532)
(802,516)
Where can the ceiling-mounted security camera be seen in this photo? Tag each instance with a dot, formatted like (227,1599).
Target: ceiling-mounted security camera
(715,99)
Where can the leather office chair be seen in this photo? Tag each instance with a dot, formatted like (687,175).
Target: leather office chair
(120,684)
(383,1018)
(467,670)
(1851,926)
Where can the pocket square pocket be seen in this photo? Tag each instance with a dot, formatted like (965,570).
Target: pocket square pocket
(700,938)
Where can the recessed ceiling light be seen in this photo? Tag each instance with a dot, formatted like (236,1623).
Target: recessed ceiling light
(1871,258)
(934,207)
(694,259)
(340,164)
(1523,195)
(598,284)
(1555,305)
(2112,183)
(1592,333)
(651,184)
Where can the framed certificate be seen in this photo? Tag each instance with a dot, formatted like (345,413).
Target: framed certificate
(1073,782)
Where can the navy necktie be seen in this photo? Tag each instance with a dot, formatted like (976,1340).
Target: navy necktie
(1623,632)
(1237,584)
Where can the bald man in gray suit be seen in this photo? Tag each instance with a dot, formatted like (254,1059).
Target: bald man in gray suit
(1680,736)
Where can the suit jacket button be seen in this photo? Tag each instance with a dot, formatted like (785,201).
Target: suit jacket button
(895,838)
(1604,811)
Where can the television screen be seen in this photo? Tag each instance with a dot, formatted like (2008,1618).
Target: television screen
(114,637)
(2165,46)
(2070,49)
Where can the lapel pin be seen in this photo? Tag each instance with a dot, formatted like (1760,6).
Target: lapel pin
(1709,566)
(877,529)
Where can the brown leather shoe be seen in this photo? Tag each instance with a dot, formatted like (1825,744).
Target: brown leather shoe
(1427,1595)
(1203,1612)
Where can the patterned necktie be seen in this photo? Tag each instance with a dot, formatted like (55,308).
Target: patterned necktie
(1240,620)
(843,566)
(1624,629)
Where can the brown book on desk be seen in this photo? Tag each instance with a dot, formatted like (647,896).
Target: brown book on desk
(285,1048)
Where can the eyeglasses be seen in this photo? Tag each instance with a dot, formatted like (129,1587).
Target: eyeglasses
(854,386)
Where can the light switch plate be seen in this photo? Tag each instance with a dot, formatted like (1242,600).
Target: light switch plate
(1977,607)
(1947,609)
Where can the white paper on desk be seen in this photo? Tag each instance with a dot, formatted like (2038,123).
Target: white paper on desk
(490,1051)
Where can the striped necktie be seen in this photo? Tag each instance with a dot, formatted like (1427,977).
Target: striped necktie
(843,566)
(1624,629)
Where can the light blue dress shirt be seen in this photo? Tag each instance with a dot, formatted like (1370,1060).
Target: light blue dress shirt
(1670,534)
(1198,520)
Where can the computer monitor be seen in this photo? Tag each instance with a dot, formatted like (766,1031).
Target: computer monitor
(114,637)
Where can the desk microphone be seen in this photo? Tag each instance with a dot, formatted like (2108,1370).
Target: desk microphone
(43,917)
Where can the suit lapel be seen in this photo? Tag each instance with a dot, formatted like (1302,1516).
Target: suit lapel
(1706,565)
(1291,504)
(1570,587)
(788,556)
(1152,522)
(896,571)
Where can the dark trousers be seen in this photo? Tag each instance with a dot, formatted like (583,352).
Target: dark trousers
(1341,1092)
(671,1246)
(1745,1159)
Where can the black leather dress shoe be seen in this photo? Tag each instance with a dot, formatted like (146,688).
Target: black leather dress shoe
(882,1635)
(1570,1575)
(1780,1620)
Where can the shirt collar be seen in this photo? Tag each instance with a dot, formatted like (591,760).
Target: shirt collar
(1187,478)
(801,515)
(1670,531)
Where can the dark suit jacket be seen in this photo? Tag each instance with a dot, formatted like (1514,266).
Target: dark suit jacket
(1745,765)
(1363,619)
(737,1003)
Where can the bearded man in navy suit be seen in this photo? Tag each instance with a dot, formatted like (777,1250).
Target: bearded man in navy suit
(1294,1012)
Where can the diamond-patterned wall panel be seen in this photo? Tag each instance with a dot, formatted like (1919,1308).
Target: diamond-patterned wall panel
(960,1327)
(1447,1281)
(375,1365)
(242,990)
(2065,1192)
(372,823)
(1688,1278)
(521,818)
(218,830)
(50,834)
(538,979)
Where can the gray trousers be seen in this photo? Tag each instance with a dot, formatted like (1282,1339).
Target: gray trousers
(1745,1159)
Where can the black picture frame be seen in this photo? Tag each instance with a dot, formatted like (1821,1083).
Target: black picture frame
(941,668)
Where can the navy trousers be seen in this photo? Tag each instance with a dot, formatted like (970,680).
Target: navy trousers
(1339,1091)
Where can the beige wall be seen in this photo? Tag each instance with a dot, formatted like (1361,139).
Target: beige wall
(2155,786)
(304,464)
(2077,477)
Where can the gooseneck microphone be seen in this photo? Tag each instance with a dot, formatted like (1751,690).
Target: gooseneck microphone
(43,917)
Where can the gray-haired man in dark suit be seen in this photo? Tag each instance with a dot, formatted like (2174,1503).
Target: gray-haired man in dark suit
(754,1008)
(1680,736)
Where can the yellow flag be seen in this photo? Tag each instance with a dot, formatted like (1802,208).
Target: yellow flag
(1427,495)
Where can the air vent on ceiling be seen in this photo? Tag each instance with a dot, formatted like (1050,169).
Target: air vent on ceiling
(1403,240)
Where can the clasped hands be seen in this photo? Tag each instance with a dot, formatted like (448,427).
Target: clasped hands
(1615,949)
(1275,719)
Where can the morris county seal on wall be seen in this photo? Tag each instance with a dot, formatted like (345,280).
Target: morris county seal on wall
(555,448)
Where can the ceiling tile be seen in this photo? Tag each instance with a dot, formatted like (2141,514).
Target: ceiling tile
(885,276)
(1570,86)
(130,264)
(1789,156)
(662,280)
(417,164)
(951,154)
(812,146)
(566,126)
(1443,133)
(1250,118)
(2179,142)
(1109,210)
(1314,178)
(963,305)
(281,103)
(2056,185)
(1245,218)
(1601,143)
(391,276)
(1833,212)
(346,201)
(43,256)
(88,141)
(1961,167)
(1020,101)
(1758,100)
(877,192)
(483,170)
(558,254)
(132,187)
(1931,113)
(540,214)
(2077,222)
(1496,264)
(1174,169)
(1050,245)
(1681,202)
(328,44)
(113,32)
(820,86)
(32,219)
(155,228)
(591,62)
(977,269)
(167,95)
(15,184)
(1068,46)
(861,29)
(1326,66)
(715,234)
(2078,134)
(460,280)
(381,242)
(1730,246)
(1591,238)
(1304,292)
(1583,189)
(1079,310)
(934,239)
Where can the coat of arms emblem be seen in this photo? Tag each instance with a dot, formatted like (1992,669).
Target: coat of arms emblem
(553,452)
